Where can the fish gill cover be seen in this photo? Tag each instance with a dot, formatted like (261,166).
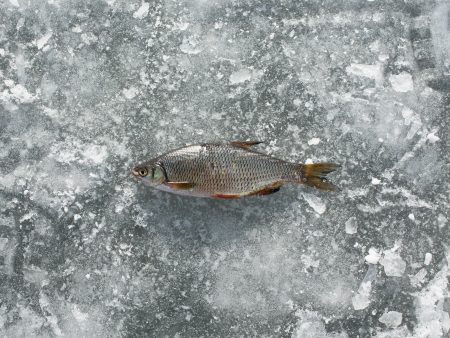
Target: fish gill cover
(88,88)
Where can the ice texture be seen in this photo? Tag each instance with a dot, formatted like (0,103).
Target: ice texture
(90,87)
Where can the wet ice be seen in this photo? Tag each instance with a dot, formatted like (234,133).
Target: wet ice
(88,89)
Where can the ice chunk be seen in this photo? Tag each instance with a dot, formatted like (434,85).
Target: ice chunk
(130,93)
(3,242)
(361,299)
(393,264)
(373,257)
(79,316)
(311,325)
(40,43)
(375,181)
(402,82)
(314,141)
(432,137)
(432,318)
(315,202)
(374,72)
(351,226)
(240,76)
(77,29)
(440,33)
(391,318)
(22,94)
(419,277)
(190,46)
(142,11)
(428,258)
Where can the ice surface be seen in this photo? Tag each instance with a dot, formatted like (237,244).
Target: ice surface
(88,88)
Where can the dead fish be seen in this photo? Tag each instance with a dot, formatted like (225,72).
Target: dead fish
(228,170)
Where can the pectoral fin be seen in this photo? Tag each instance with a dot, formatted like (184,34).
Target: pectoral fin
(180,185)
(245,144)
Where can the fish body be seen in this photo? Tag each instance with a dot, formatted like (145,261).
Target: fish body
(226,170)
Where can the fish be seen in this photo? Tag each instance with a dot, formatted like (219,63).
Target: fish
(228,170)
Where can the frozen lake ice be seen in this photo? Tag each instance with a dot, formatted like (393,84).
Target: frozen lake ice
(88,88)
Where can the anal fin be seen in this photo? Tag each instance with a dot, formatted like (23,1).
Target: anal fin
(226,196)
(270,189)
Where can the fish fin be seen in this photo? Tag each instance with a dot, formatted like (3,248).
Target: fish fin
(180,185)
(245,144)
(314,175)
(270,189)
(226,196)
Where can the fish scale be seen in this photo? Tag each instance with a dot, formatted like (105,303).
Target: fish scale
(223,168)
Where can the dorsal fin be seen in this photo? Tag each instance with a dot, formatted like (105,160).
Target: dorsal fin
(244,144)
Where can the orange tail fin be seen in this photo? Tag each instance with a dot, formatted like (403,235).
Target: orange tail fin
(314,175)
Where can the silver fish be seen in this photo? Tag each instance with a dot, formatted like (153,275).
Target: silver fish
(228,170)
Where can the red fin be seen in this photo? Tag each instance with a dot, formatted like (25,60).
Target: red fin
(225,196)
(244,144)
(314,175)
(180,185)
(270,189)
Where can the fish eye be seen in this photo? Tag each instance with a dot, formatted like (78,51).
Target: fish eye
(143,172)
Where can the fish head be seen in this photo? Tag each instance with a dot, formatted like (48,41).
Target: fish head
(150,173)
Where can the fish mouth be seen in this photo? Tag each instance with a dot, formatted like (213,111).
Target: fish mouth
(135,173)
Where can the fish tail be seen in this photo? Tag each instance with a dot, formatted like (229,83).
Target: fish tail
(314,175)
